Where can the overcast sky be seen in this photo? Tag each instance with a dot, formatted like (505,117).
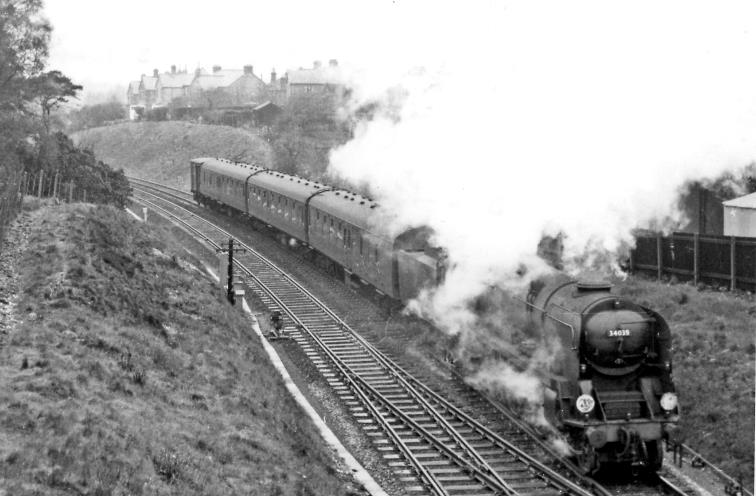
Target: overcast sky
(101,43)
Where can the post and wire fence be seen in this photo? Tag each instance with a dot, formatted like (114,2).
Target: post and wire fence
(15,184)
(44,184)
(728,262)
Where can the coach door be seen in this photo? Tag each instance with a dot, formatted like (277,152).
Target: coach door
(196,176)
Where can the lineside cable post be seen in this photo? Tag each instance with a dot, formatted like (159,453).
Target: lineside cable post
(230,292)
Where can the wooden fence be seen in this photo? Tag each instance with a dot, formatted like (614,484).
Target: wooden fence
(725,261)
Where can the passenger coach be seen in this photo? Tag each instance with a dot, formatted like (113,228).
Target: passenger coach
(338,224)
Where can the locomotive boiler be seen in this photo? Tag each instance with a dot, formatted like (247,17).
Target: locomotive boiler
(609,388)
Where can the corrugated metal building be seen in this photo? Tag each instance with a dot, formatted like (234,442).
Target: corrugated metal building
(740,216)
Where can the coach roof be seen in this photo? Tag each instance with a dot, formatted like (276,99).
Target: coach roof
(294,187)
(348,206)
(235,170)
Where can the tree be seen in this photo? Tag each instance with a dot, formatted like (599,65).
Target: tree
(96,115)
(51,89)
(24,39)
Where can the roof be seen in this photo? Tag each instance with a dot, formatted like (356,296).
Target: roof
(298,188)
(149,82)
(321,75)
(176,79)
(747,201)
(348,206)
(134,87)
(266,104)
(219,79)
(236,170)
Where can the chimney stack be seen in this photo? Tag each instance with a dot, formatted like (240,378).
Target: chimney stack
(333,62)
(154,72)
(248,69)
(272,76)
(216,68)
(316,64)
(197,71)
(173,69)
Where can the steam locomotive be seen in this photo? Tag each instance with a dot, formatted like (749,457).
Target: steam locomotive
(610,387)
(338,225)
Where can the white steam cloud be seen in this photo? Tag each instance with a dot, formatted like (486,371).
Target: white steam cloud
(539,117)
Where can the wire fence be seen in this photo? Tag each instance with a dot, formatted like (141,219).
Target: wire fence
(724,261)
(44,184)
(14,185)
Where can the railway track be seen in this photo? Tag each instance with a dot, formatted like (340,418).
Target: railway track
(447,464)
(431,445)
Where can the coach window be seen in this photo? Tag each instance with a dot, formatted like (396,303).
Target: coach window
(360,235)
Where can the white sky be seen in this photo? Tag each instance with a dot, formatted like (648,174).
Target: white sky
(101,43)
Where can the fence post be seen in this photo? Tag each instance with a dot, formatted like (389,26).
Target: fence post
(695,258)
(55,185)
(39,188)
(659,256)
(84,193)
(732,263)
(70,191)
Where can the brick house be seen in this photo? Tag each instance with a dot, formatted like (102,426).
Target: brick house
(174,84)
(316,80)
(225,87)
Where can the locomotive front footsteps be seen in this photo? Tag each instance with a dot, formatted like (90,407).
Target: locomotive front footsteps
(338,225)
(610,387)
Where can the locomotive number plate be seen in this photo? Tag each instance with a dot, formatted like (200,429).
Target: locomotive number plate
(618,333)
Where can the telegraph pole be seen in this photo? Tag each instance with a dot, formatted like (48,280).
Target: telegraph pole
(230,293)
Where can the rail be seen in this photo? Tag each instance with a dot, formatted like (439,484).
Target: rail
(464,455)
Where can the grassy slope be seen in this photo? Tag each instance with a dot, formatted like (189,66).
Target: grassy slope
(714,367)
(118,381)
(162,150)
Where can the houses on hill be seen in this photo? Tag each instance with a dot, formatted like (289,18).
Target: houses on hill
(182,92)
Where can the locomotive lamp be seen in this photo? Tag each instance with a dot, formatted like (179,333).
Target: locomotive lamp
(585,403)
(668,402)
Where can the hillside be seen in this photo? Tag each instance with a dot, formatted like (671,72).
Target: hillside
(161,150)
(115,381)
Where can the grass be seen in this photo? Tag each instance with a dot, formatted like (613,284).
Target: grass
(713,350)
(127,375)
(713,340)
(161,151)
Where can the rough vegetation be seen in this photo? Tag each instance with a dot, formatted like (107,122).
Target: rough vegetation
(124,373)
(28,98)
(714,351)
(162,150)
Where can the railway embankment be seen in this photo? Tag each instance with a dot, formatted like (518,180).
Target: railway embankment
(161,150)
(122,371)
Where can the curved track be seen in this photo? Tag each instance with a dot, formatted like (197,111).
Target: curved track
(431,445)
